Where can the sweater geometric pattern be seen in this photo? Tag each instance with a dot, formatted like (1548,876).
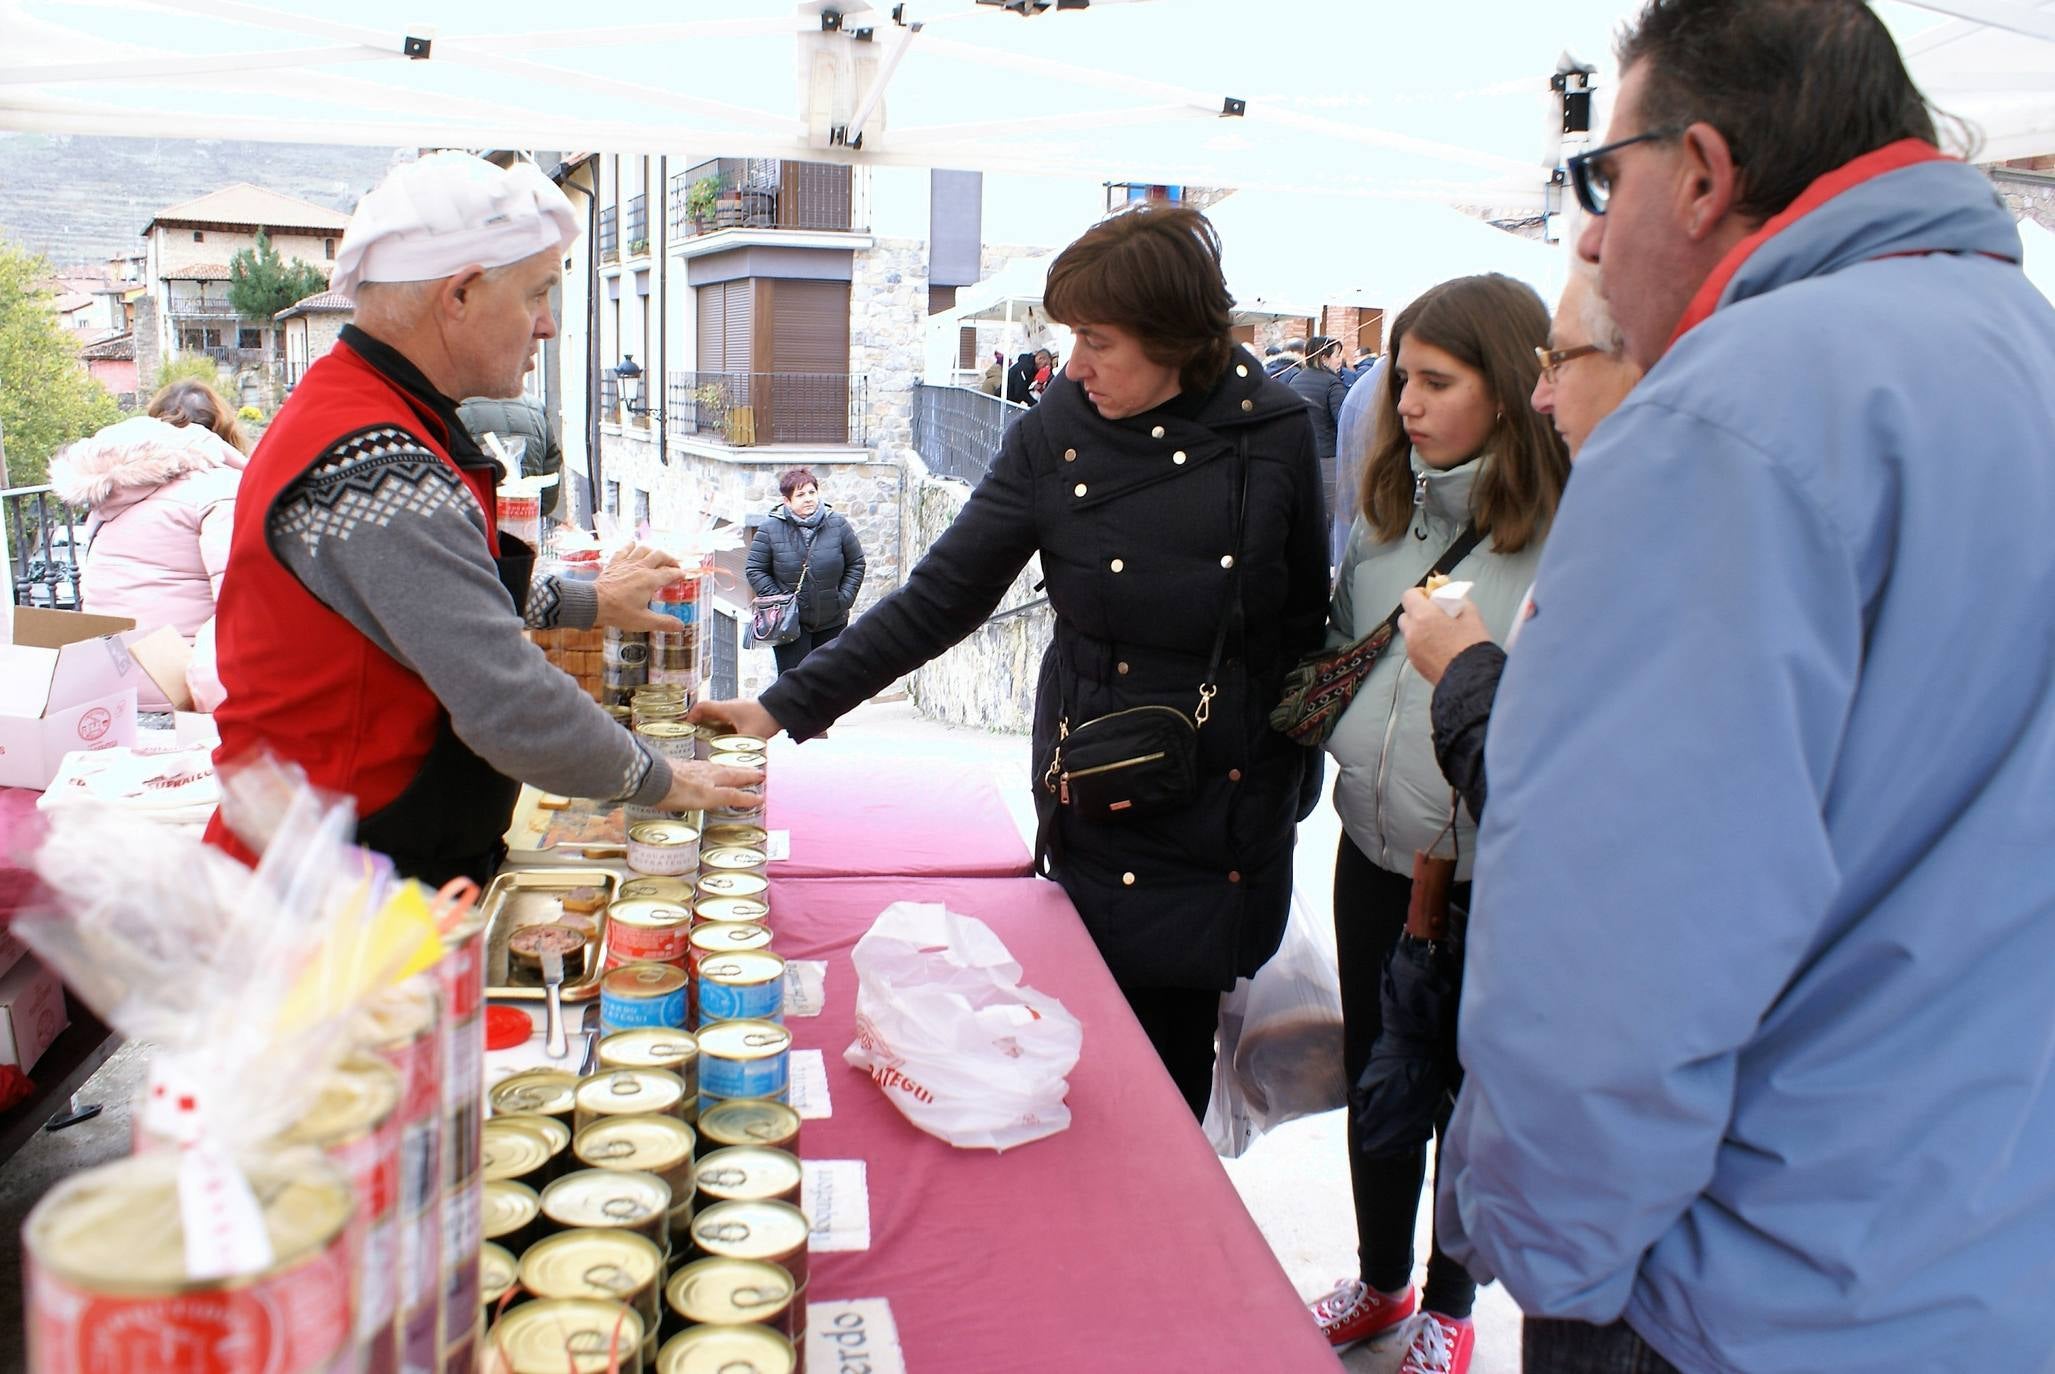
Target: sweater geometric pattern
(367,478)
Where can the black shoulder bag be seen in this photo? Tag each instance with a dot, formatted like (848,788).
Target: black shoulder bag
(1144,760)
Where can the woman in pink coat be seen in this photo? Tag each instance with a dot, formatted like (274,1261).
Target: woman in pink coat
(161,497)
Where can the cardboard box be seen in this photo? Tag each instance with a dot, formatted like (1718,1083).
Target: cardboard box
(68,681)
(12,950)
(32,1013)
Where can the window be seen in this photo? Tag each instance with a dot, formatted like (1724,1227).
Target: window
(641,508)
(724,670)
(328,249)
(199,236)
(249,338)
(613,497)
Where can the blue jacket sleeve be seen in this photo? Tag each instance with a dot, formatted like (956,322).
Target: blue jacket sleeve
(1654,865)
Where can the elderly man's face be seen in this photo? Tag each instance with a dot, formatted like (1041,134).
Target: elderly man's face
(1583,390)
(505,315)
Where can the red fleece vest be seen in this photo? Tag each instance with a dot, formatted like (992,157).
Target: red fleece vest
(301,680)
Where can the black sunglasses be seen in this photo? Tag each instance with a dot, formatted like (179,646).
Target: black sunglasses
(1593,182)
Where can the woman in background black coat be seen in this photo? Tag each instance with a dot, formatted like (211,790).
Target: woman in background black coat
(807,533)
(1125,480)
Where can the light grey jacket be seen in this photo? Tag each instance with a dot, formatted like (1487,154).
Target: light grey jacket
(1391,794)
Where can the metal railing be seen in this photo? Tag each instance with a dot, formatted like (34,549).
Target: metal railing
(609,236)
(759,193)
(189,307)
(46,547)
(636,230)
(750,408)
(956,431)
(609,398)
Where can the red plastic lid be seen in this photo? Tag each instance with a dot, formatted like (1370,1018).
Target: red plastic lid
(506,1027)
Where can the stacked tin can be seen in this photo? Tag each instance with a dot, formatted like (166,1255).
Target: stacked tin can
(460,978)
(404,1028)
(675,656)
(625,665)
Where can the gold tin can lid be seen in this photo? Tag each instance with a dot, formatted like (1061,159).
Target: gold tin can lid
(733,885)
(668,730)
(729,1292)
(621,714)
(732,910)
(652,1144)
(648,913)
(605,1197)
(507,1208)
(668,834)
(745,1039)
(725,937)
(643,980)
(737,744)
(745,1173)
(738,758)
(745,968)
(398,1016)
(115,1229)
(356,1098)
(630,1092)
(657,889)
(727,1350)
(591,1262)
(547,1092)
(723,834)
(749,1121)
(496,1272)
(566,1336)
(734,859)
(751,1230)
(511,1146)
(648,1047)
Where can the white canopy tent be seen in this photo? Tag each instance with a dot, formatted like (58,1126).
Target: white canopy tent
(1438,102)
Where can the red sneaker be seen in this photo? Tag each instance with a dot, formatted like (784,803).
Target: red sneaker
(1441,1345)
(1354,1311)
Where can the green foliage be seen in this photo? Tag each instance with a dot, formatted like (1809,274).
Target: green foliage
(701,196)
(260,283)
(47,398)
(189,367)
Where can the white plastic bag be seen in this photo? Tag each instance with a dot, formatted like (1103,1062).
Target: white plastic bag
(945,1028)
(1279,1055)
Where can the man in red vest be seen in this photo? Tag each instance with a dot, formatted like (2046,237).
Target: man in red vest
(370,625)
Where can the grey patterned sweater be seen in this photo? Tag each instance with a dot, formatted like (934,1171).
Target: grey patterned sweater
(382,532)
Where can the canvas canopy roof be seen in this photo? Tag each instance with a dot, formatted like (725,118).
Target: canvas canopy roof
(1444,102)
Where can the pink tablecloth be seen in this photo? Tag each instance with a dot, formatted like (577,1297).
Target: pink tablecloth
(1116,1245)
(884,813)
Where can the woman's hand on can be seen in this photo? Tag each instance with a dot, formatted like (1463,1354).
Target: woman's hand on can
(741,717)
(695,786)
(627,585)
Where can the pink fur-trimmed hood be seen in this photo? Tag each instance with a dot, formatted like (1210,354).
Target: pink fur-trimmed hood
(127,461)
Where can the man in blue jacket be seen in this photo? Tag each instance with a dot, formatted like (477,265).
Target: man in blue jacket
(1761,1062)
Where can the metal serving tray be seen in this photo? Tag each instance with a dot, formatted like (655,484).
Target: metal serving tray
(534,896)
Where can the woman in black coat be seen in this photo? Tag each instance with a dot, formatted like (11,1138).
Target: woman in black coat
(805,535)
(1126,479)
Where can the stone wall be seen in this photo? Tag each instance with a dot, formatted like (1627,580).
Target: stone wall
(888,309)
(2029,193)
(989,679)
(149,346)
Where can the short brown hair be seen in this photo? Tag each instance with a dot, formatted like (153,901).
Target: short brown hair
(195,403)
(1153,271)
(1493,324)
(792,479)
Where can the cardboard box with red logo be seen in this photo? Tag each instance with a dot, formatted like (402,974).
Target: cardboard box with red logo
(32,1013)
(68,681)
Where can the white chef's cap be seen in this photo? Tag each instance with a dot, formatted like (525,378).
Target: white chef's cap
(434,217)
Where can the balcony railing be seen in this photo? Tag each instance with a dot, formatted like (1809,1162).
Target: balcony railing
(636,231)
(46,545)
(749,408)
(193,307)
(758,193)
(609,398)
(609,236)
(956,431)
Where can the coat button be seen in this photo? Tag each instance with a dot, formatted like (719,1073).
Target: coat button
(1178,457)
(1234,875)
(1078,490)
(1070,455)
(1118,565)
(1121,667)
(1241,369)
(1156,433)
(1127,879)
(1234,775)
(1248,405)
(1227,560)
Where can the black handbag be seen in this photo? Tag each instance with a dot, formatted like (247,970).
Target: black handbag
(1144,760)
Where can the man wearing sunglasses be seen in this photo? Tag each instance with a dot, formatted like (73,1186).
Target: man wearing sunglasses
(1757,1044)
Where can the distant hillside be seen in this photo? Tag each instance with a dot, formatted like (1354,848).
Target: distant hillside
(79,199)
